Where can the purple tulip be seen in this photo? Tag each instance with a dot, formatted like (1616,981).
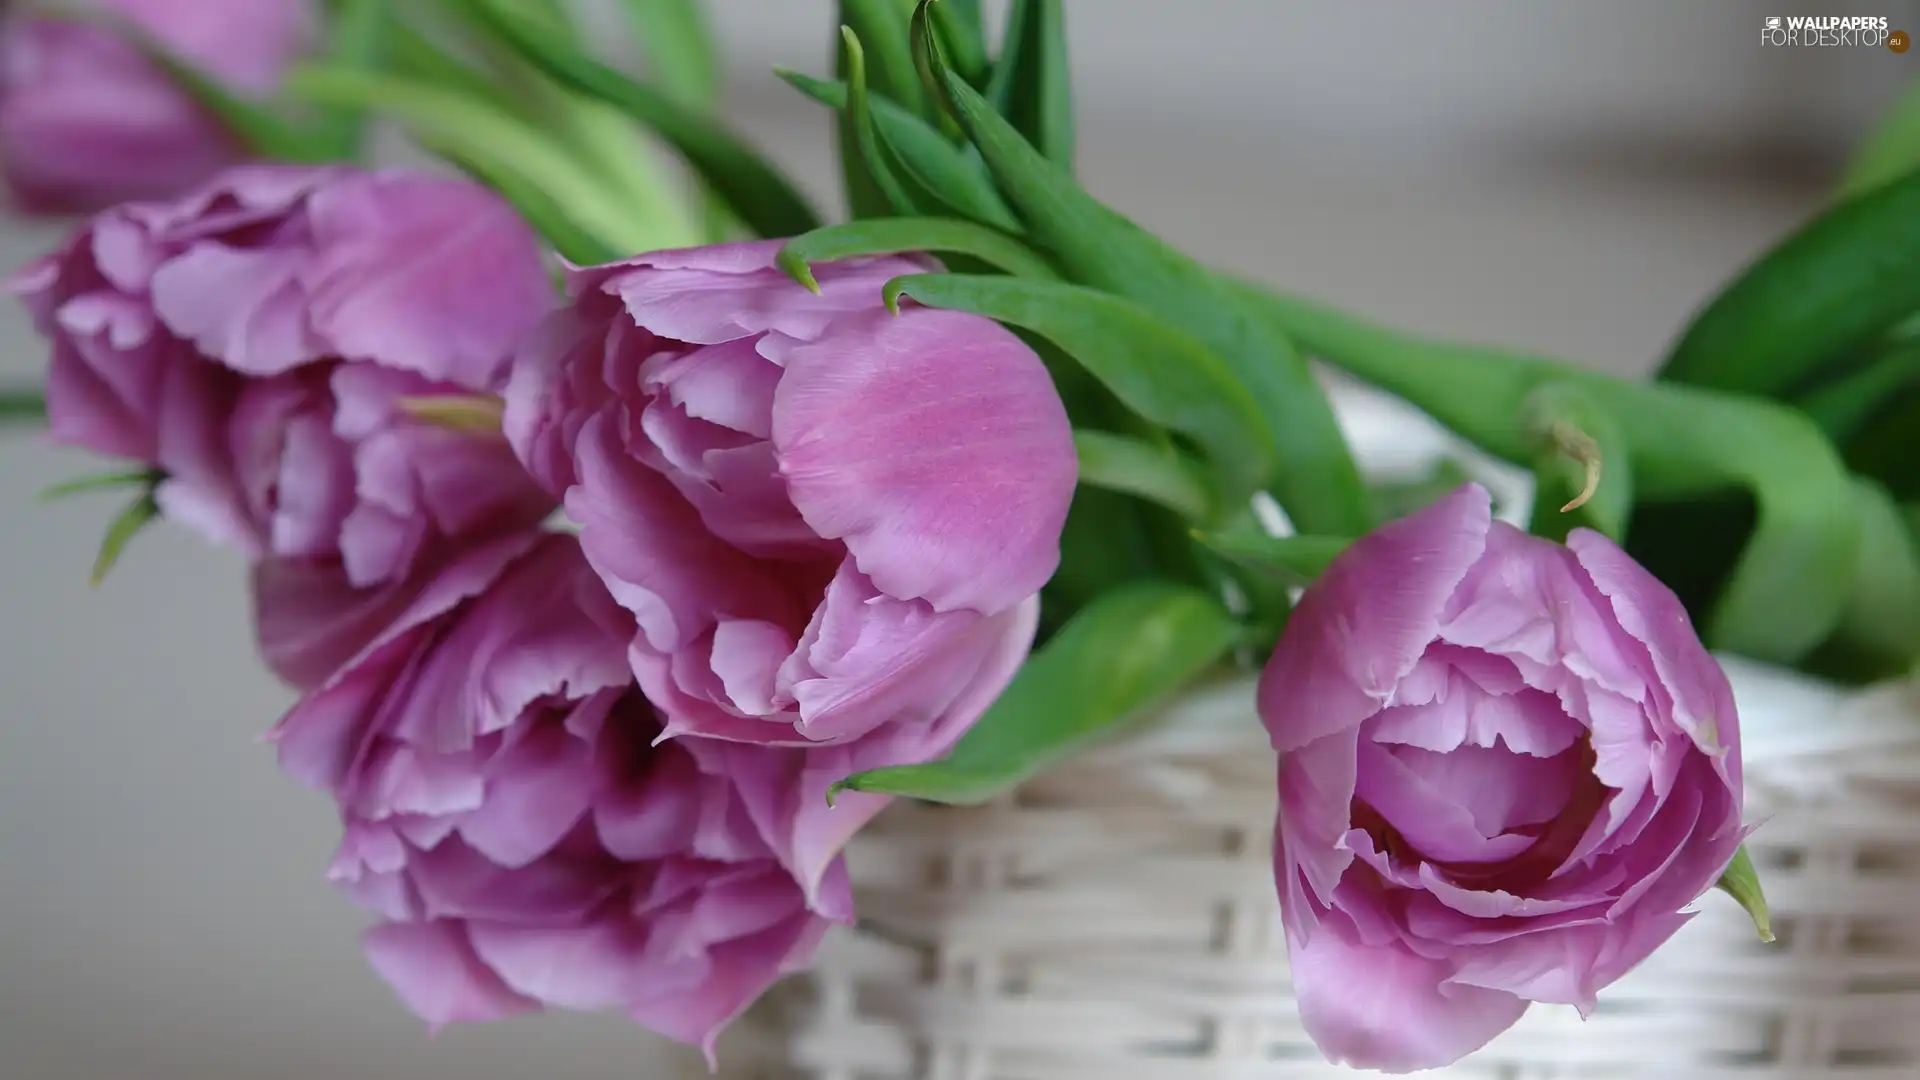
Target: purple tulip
(86,122)
(514,819)
(830,521)
(261,342)
(1506,766)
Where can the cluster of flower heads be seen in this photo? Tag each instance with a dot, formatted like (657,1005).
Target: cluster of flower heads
(586,767)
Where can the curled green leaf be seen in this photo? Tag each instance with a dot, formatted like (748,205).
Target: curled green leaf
(1160,373)
(882,26)
(891,236)
(870,156)
(1125,652)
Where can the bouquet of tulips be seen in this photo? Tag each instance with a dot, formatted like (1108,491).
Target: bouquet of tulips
(633,535)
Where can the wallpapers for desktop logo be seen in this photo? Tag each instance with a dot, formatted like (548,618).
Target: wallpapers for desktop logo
(1843,31)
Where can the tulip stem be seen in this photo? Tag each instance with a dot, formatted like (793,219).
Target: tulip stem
(1790,586)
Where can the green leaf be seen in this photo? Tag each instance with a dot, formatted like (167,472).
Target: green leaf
(1155,370)
(493,143)
(1879,635)
(18,406)
(1826,290)
(883,23)
(1789,587)
(106,481)
(1742,882)
(541,210)
(357,36)
(1158,474)
(963,35)
(879,168)
(1890,150)
(1106,543)
(925,158)
(892,236)
(1844,404)
(142,510)
(1316,479)
(1031,84)
(882,27)
(1398,498)
(420,59)
(753,190)
(1127,651)
(1296,560)
(679,47)
(258,127)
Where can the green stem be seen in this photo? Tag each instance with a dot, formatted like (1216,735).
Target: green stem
(1790,586)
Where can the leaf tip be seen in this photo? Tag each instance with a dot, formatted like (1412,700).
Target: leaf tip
(838,786)
(130,520)
(795,264)
(1742,882)
(891,292)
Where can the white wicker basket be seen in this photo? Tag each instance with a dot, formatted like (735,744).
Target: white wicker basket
(1116,920)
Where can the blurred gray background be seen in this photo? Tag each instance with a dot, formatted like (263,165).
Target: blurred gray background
(1567,177)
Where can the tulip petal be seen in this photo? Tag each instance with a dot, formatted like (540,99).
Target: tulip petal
(1703,705)
(310,622)
(1382,1007)
(422,273)
(591,966)
(1368,619)
(820,831)
(433,967)
(647,544)
(877,660)
(725,292)
(244,308)
(934,445)
(742,970)
(1317,784)
(535,793)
